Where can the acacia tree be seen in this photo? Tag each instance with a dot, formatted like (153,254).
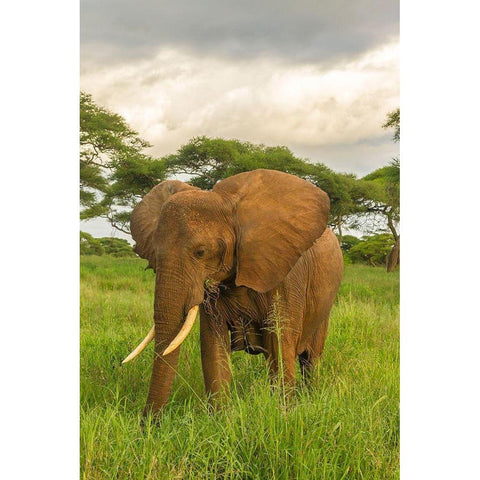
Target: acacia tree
(114,171)
(393,180)
(384,198)
(374,200)
(384,194)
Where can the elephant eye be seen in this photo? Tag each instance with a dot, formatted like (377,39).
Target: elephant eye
(200,252)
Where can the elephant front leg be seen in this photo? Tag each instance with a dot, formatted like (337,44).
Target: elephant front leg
(215,349)
(280,356)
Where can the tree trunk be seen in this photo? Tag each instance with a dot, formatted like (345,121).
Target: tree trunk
(340,234)
(394,256)
(391,226)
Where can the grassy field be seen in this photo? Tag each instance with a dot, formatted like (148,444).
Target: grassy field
(346,428)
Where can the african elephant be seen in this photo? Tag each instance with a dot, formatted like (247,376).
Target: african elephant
(255,244)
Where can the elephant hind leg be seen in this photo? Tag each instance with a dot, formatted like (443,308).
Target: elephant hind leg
(309,358)
(304,359)
(308,362)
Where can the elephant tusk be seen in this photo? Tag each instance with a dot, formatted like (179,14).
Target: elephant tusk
(184,331)
(142,345)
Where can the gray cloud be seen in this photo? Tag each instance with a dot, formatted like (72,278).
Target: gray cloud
(301,30)
(333,115)
(359,158)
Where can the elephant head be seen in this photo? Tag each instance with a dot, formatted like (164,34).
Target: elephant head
(248,231)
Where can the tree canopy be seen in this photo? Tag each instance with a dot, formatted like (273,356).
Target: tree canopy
(208,160)
(393,121)
(390,176)
(114,171)
(384,195)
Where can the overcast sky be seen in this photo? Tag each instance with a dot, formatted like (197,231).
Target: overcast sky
(316,76)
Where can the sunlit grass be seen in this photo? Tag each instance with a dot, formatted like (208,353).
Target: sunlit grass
(346,427)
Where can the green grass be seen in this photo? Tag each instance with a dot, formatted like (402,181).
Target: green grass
(345,428)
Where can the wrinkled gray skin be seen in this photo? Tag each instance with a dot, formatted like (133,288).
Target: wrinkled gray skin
(260,238)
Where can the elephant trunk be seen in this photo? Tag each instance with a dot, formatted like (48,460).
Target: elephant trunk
(169,317)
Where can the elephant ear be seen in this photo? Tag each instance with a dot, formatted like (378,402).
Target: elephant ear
(145,216)
(278,217)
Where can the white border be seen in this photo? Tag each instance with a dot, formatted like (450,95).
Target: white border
(39,241)
(439,274)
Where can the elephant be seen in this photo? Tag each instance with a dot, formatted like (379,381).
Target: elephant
(253,249)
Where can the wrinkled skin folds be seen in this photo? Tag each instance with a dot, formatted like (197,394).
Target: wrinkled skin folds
(256,254)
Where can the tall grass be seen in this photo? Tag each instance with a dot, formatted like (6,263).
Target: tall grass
(346,427)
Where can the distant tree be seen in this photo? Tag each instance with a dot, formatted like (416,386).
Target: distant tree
(114,173)
(372,250)
(379,200)
(90,245)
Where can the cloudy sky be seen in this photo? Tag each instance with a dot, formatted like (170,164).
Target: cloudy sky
(316,76)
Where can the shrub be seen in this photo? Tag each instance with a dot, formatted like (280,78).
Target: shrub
(117,247)
(372,250)
(90,245)
(348,241)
